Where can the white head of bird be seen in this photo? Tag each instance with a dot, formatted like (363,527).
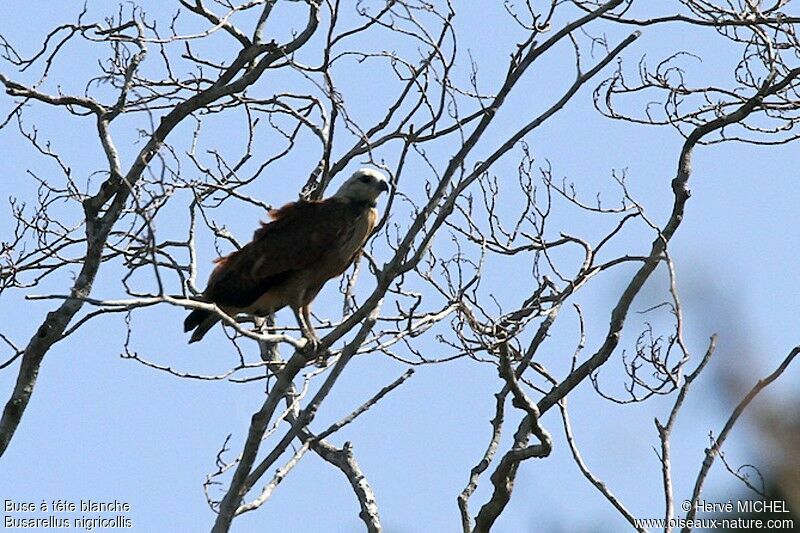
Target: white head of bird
(365,185)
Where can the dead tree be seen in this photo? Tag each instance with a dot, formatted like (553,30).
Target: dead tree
(158,172)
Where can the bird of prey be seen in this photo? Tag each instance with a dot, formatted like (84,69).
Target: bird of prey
(290,258)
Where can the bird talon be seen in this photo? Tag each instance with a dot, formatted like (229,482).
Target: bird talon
(322,358)
(311,349)
(310,346)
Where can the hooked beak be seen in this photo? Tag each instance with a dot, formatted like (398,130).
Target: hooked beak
(383,186)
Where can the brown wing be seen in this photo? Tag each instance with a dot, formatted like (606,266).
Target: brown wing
(297,239)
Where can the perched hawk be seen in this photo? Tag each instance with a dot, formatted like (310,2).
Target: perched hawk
(290,258)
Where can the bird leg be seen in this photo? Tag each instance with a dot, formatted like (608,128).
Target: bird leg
(304,320)
(303,316)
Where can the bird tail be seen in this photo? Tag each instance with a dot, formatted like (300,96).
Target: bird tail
(200,321)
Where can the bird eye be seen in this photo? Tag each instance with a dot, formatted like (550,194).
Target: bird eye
(364,179)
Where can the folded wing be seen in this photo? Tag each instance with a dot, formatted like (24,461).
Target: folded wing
(297,239)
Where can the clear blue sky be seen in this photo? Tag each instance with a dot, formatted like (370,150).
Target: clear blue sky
(101,427)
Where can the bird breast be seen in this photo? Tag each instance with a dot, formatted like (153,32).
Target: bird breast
(351,239)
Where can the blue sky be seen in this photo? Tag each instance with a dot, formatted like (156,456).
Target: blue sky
(102,427)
